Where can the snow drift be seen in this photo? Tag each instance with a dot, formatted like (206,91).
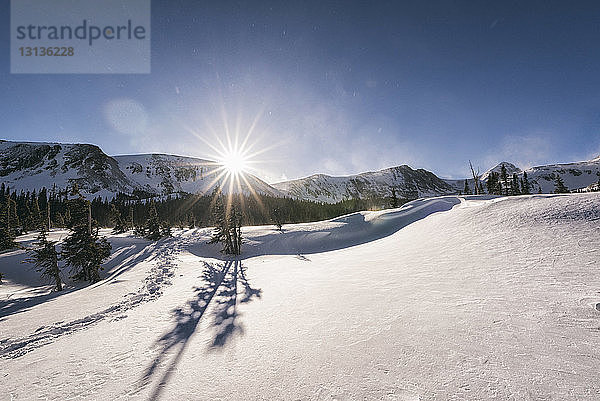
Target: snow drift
(455,298)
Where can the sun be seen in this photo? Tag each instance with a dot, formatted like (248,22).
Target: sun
(234,162)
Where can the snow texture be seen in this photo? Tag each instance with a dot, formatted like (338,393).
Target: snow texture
(465,298)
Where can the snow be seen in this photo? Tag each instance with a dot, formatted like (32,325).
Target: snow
(445,298)
(407,182)
(34,165)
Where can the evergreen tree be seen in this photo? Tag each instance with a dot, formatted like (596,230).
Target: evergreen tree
(191,220)
(131,223)
(117,220)
(36,214)
(7,236)
(153,224)
(59,221)
(514,185)
(278,221)
(493,183)
(525,187)
(503,180)
(220,221)
(235,230)
(559,186)
(83,250)
(165,229)
(467,189)
(228,227)
(45,259)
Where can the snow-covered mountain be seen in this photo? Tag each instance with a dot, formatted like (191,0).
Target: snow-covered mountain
(407,182)
(169,174)
(34,165)
(577,175)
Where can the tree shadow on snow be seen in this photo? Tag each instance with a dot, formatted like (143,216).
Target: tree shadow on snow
(225,286)
(122,259)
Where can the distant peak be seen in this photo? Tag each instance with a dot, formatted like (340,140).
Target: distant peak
(507,165)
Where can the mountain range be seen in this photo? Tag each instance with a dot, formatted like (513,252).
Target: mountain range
(33,165)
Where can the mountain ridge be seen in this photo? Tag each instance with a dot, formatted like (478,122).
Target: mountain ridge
(27,165)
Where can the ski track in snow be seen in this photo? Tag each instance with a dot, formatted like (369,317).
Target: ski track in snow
(160,275)
(498,299)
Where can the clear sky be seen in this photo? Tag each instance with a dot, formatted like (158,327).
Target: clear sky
(338,87)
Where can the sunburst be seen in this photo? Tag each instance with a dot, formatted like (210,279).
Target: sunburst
(236,155)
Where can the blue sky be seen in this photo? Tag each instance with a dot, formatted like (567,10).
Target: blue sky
(338,87)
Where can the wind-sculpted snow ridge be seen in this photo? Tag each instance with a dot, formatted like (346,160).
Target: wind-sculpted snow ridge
(338,233)
(159,276)
(495,298)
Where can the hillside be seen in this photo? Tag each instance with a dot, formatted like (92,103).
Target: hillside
(169,174)
(33,165)
(576,175)
(447,298)
(407,182)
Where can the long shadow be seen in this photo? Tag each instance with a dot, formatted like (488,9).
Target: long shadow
(221,285)
(12,306)
(127,258)
(187,319)
(226,313)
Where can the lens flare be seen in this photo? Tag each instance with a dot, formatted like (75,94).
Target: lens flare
(234,162)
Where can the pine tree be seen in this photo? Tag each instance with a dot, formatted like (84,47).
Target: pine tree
(36,214)
(117,220)
(492,183)
(59,221)
(228,227)
(559,186)
(45,259)
(514,185)
(153,224)
(83,250)
(525,187)
(7,236)
(131,224)
(277,219)
(220,222)
(191,220)
(165,229)
(503,180)
(235,230)
(467,189)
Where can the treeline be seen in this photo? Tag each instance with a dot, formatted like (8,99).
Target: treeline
(25,211)
(501,183)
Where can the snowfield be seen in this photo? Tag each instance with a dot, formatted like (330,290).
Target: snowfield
(449,298)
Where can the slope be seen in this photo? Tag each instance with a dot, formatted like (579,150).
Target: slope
(492,299)
(406,181)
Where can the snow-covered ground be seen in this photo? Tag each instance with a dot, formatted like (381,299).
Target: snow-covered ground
(446,298)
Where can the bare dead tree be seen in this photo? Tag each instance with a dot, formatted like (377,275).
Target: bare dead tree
(475,178)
